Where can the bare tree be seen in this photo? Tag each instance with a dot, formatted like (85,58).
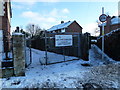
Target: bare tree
(97,29)
(33,29)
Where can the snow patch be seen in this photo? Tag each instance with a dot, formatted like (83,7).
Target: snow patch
(60,26)
(61,75)
(16,33)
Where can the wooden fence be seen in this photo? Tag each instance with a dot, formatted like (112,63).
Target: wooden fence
(83,45)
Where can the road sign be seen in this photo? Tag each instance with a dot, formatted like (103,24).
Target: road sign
(103,18)
(63,40)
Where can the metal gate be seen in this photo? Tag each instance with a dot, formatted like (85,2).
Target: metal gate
(28,52)
(56,54)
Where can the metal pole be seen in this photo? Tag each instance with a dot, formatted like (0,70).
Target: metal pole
(46,47)
(30,50)
(79,46)
(64,53)
(31,46)
(102,36)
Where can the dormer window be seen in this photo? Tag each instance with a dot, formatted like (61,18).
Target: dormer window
(62,30)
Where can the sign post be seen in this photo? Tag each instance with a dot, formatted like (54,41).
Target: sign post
(103,18)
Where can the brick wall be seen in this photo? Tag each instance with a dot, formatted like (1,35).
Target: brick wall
(74,27)
(5,26)
(113,27)
(108,28)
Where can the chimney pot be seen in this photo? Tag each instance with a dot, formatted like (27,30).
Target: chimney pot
(62,21)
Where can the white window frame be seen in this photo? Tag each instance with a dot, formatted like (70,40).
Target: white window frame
(63,30)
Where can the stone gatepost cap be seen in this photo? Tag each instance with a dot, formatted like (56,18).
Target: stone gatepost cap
(16,33)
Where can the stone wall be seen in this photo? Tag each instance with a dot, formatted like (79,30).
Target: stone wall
(1,50)
(19,54)
(1,43)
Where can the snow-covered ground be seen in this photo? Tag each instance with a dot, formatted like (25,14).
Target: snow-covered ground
(51,57)
(68,74)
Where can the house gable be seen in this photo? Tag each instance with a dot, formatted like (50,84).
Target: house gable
(74,27)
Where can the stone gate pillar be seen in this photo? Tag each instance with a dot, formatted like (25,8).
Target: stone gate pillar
(1,44)
(1,51)
(19,54)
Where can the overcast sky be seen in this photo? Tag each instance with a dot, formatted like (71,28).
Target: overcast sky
(47,14)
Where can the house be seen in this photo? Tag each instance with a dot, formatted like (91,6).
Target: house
(5,19)
(70,26)
(112,23)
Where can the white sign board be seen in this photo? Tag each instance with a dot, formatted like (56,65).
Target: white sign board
(63,40)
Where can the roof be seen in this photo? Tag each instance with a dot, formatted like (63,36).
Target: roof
(114,21)
(60,26)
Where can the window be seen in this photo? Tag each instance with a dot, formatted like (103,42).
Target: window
(63,30)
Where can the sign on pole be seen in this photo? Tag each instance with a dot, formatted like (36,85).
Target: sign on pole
(103,18)
(63,40)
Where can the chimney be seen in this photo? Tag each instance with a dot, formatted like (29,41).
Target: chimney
(17,29)
(108,23)
(113,17)
(62,21)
